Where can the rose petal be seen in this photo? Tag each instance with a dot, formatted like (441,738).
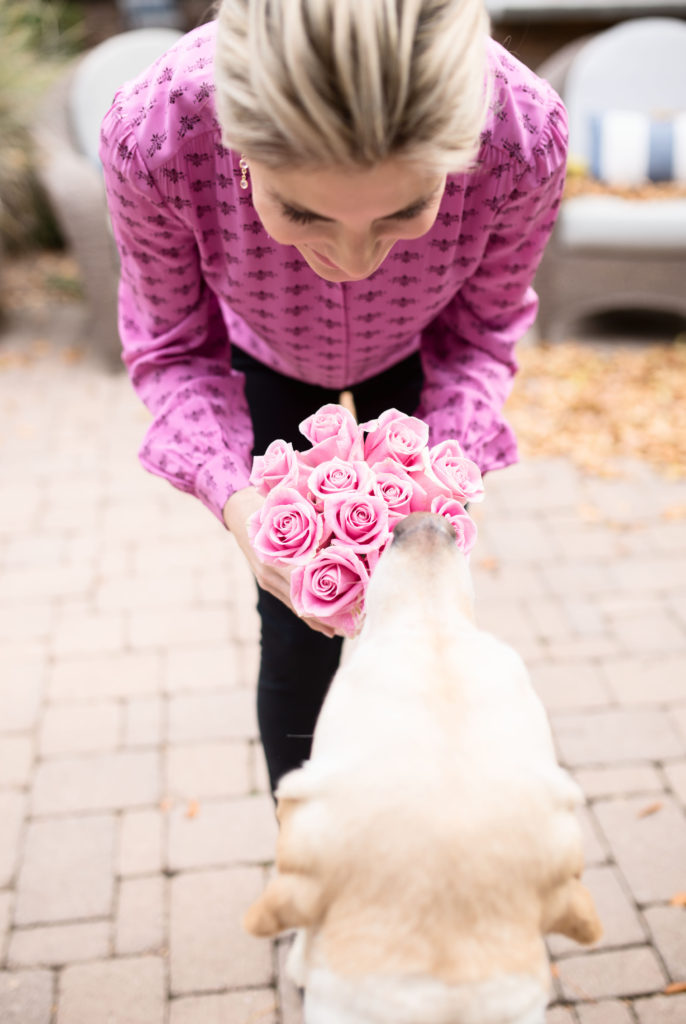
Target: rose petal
(277,467)
(331,588)
(332,431)
(462,523)
(358,520)
(287,528)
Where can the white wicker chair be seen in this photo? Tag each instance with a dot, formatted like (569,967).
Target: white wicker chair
(612,253)
(66,135)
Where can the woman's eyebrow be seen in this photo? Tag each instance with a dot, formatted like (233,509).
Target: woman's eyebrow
(418,204)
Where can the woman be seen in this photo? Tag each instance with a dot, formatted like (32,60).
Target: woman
(317,195)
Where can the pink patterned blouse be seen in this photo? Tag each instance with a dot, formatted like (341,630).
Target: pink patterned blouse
(198,272)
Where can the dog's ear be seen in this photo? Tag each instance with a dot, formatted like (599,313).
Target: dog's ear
(570,910)
(294,897)
(289,901)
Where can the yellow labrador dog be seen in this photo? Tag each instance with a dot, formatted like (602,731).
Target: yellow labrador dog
(430,842)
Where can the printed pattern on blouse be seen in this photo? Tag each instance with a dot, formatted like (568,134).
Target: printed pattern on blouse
(199,272)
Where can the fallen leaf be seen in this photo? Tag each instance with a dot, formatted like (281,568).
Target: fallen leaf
(71,355)
(674,512)
(580,183)
(259,1014)
(678,899)
(193,809)
(645,812)
(676,986)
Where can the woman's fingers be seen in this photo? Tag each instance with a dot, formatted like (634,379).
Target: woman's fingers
(275,579)
(275,582)
(278,583)
(320,627)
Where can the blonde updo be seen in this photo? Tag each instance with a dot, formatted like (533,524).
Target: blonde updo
(352,82)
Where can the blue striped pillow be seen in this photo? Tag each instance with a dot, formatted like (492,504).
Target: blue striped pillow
(630,148)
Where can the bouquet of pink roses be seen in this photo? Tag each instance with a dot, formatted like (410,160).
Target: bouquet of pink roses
(330,510)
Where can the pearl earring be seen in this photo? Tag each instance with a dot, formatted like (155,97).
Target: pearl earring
(243,164)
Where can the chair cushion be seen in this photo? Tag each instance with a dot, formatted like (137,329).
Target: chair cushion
(628,147)
(610,222)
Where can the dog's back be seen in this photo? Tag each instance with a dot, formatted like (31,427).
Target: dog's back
(432,824)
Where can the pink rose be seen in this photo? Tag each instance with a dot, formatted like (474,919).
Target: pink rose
(277,467)
(358,520)
(331,587)
(333,433)
(397,436)
(463,524)
(448,447)
(337,476)
(287,529)
(400,490)
(457,474)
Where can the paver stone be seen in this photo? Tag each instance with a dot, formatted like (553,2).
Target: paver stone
(67,870)
(209,950)
(126,991)
(650,848)
(26,997)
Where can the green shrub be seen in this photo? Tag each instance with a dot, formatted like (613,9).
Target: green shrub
(37,37)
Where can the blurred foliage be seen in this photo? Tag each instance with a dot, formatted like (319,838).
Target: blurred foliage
(37,38)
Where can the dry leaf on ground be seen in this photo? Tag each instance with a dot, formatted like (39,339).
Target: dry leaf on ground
(674,513)
(645,812)
(599,405)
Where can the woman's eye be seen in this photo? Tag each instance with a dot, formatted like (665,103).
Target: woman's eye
(411,213)
(298,216)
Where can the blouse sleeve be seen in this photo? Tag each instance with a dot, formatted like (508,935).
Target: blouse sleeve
(468,350)
(175,343)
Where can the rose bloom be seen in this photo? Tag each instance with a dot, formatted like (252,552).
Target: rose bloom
(401,491)
(278,466)
(359,521)
(287,529)
(337,476)
(455,473)
(397,436)
(331,587)
(333,432)
(460,520)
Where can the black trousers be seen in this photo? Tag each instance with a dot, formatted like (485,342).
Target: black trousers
(297,664)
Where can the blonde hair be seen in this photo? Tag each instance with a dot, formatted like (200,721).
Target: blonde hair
(352,82)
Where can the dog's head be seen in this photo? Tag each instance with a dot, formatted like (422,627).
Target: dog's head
(423,552)
(422,873)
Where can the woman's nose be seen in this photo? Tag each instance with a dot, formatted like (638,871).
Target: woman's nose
(356,254)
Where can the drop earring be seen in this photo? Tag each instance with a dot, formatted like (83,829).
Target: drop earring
(243,164)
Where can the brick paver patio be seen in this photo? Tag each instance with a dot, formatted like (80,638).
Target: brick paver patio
(135,822)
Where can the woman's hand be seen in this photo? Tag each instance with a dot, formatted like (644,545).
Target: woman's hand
(275,579)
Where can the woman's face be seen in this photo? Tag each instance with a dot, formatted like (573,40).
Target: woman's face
(345,222)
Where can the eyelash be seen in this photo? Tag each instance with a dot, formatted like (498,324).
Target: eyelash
(301,217)
(298,216)
(411,214)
